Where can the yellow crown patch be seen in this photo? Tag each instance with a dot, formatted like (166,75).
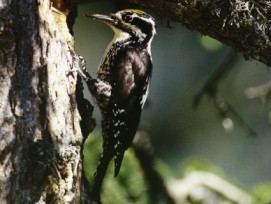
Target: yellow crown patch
(136,11)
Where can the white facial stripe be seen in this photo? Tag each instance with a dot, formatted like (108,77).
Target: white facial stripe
(141,36)
(134,15)
(152,23)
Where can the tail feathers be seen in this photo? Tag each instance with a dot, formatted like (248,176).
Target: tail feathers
(118,161)
(99,176)
(106,157)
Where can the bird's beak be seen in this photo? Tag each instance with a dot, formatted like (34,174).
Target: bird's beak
(110,20)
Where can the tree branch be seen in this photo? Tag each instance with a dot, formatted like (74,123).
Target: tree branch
(243,25)
(206,187)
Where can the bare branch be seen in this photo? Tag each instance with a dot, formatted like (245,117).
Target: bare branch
(261,91)
(205,187)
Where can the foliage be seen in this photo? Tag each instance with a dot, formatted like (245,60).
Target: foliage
(128,187)
(131,187)
(262,193)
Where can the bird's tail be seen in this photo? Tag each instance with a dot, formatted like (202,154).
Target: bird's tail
(99,176)
(118,161)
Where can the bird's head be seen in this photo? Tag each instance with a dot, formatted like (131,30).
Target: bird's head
(129,24)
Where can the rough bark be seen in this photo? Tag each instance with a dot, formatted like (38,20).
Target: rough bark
(243,25)
(40,136)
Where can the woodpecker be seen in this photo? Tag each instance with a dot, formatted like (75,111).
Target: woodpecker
(121,85)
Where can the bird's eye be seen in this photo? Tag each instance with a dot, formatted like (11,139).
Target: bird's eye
(128,18)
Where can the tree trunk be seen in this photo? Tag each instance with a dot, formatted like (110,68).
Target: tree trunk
(40,136)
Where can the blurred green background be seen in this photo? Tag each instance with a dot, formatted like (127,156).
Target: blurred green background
(183,60)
